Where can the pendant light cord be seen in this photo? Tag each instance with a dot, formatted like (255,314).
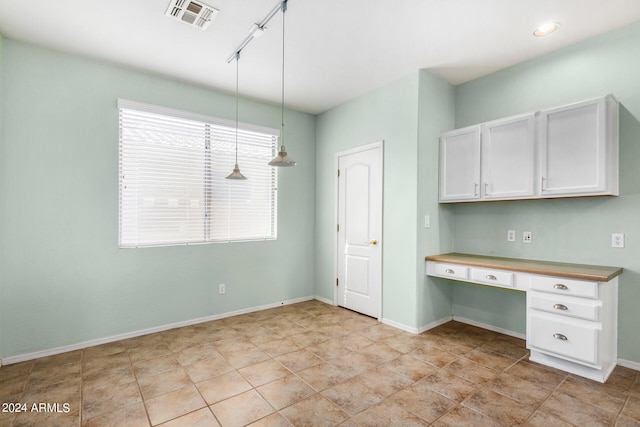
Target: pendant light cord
(284,10)
(237,74)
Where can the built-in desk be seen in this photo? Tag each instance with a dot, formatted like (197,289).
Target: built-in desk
(572,309)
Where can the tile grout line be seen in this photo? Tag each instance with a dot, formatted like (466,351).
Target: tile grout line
(81,409)
(135,375)
(242,327)
(459,404)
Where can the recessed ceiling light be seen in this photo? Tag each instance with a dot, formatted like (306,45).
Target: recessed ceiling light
(546,29)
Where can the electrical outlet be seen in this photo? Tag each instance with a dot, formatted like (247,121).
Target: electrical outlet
(511,235)
(617,240)
(222,289)
(526,237)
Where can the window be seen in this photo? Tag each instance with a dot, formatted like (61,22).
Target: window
(173,189)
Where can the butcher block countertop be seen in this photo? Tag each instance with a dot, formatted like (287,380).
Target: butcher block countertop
(596,273)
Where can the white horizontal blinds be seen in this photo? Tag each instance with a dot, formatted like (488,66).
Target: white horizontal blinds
(243,210)
(162,169)
(172,181)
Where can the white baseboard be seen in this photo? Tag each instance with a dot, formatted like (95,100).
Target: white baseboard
(63,349)
(435,324)
(324,300)
(490,327)
(400,326)
(79,346)
(629,364)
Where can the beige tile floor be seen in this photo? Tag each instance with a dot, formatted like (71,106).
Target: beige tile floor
(311,364)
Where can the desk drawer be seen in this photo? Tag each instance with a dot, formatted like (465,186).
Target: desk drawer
(558,285)
(454,271)
(492,277)
(575,340)
(580,308)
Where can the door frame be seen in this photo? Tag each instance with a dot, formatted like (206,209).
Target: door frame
(336,253)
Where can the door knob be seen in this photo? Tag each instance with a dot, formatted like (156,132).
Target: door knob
(373,242)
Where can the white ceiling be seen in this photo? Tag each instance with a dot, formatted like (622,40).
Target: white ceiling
(335,49)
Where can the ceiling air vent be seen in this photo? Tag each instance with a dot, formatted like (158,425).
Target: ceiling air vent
(192,12)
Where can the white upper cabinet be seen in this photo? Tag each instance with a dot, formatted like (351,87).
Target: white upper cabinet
(460,165)
(578,147)
(569,151)
(508,158)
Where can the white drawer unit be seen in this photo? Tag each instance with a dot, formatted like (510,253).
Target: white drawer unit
(579,308)
(563,286)
(452,271)
(492,277)
(576,341)
(572,310)
(573,325)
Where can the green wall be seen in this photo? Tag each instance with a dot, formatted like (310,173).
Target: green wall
(566,230)
(3,296)
(436,115)
(64,280)
(409,115)
(390,114)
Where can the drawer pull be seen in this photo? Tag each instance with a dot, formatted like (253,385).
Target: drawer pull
(560,286)
(560,337)
(491,277)
(560,307)
(450,271)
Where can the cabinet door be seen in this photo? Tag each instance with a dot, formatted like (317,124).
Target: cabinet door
(460,165)
(578,149)
(508,158)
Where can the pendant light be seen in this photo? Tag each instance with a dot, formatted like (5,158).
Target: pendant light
(236,174)
(282,159)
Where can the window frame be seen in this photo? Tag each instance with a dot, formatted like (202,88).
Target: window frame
(215,147)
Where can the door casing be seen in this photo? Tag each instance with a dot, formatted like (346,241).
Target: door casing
(380,145)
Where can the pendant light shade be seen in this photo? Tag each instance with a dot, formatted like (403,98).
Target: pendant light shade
(236,174)
(282,159)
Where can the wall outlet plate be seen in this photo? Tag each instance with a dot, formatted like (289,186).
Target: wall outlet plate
(222,288)
(526,237)
(617,240)
(511,235)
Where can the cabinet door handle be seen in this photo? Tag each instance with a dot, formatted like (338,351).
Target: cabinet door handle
(486,187)
(560,307)
(491,277)
(542,184)
(560,337)
(560,286)
(450,271)
(475,189)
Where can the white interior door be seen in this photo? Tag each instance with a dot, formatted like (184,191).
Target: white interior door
(359,248)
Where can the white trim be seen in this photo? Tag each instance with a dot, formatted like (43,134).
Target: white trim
(150,108)
(400,326)
(324,300)
(63,349)
(629,364)
(435,324)
(373,145)
(490,327)
(595,374)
